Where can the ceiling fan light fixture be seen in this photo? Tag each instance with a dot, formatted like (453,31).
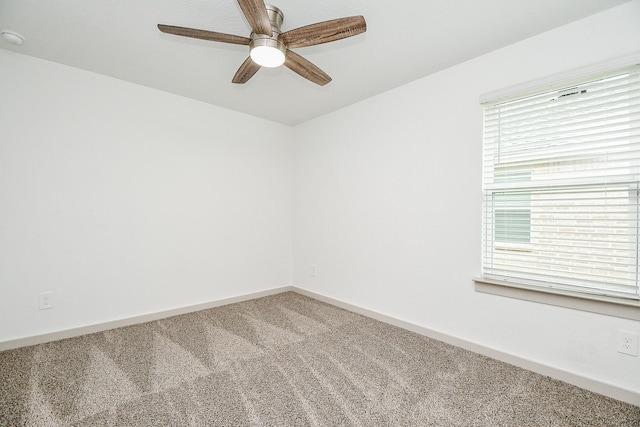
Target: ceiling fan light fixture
(267,51)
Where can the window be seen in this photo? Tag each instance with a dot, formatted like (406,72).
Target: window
(561,182)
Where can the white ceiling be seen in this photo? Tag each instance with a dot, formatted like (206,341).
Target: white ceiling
(405,40)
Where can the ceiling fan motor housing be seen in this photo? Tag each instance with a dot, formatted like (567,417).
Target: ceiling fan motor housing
(263,40)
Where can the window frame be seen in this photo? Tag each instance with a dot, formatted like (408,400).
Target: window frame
(619,307)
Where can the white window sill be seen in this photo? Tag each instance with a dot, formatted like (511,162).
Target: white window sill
(618,307)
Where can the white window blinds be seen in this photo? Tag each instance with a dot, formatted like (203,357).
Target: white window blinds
(561,186)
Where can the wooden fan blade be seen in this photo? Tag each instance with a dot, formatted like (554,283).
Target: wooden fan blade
(306,69)
(204,34)
(246,71)
(324,32)
(256,14)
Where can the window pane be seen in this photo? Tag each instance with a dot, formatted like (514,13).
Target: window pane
(512,226)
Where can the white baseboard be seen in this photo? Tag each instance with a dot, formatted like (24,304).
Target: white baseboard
(100,327)
(590,384)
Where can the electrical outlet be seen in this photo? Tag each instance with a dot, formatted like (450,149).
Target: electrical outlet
(45,300)
(313,271)
(627,342)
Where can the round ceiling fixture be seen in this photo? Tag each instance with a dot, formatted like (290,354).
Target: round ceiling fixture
(267,51)
(12,37)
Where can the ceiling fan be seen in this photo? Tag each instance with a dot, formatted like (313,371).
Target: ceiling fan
(270,47)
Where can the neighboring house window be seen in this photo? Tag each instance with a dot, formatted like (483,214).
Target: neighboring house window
(561,184)
(511,212)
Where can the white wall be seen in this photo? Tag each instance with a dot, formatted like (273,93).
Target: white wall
(124,200)
(387,204)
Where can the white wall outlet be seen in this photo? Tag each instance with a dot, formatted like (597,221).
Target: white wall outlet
(45,300)
(314,271)
(627,342)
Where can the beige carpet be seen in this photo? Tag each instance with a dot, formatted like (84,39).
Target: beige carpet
(278,361)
